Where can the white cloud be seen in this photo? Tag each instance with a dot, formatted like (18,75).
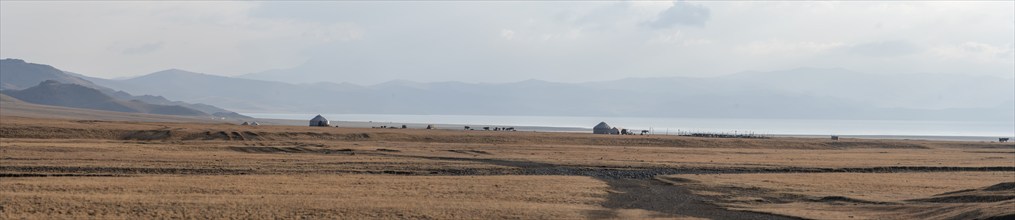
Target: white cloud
(507,33)
(976,52)
(783,48)
(682,13)
(129,38)
(508,41)
(677,38)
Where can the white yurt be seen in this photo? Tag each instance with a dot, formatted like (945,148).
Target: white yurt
(319,121)
(601,128)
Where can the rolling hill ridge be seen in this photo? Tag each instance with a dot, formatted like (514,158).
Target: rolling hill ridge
(52,86)
(52,92)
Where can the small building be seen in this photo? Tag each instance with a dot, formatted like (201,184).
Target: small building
(615,130)
(254,123)
(602,128)
(245,123)
(319,121)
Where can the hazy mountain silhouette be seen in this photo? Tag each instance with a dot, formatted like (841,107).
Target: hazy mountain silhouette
(7,98)
(18,74)
(799,93)
(51,92)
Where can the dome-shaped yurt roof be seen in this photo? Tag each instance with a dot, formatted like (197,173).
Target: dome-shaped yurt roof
(319,121)
(602,125)
(601,128)
(254,123)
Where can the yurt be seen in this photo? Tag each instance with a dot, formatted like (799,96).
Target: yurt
(319,121)
(601,128)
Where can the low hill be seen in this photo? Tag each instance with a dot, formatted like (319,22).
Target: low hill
(11,107)
(8,99)
(51,92)
(18,75)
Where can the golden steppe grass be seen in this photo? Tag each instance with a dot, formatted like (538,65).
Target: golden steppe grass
(301,196)
(83,141)
(854,195)
(207,170)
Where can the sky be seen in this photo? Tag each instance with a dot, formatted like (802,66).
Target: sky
(505,41)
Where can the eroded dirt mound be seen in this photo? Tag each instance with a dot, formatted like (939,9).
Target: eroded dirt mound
(1009,186)
(296,149)
(872,144)
(846,199)
(995,193)
(148,135)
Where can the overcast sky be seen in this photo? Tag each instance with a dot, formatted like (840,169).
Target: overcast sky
(371,42)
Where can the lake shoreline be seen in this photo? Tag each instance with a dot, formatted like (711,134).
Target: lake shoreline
(523,128)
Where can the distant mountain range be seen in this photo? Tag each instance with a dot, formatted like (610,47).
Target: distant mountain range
(17,74)
(800,93)
(51,92)
(46,85)
(810,93)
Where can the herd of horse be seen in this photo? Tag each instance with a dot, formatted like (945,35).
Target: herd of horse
(469,128)
(643,132)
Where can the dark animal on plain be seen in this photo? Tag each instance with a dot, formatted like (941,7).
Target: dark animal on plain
(835,138)
(1002,140)
(467,128)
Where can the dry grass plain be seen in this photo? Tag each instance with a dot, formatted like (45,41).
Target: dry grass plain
(303,196)
(58,168)
(922,195)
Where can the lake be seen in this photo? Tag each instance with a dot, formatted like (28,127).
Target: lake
(980,130)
